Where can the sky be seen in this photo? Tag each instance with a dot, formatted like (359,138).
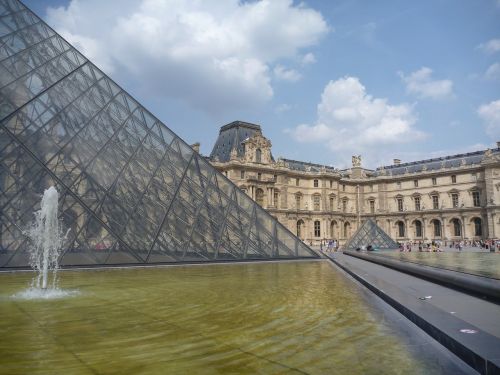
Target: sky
(325,80)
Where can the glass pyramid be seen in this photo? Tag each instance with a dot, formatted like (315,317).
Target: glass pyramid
(369,233)
(132,192)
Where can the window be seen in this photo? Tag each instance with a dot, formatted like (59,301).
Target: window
(418,228)
(259,197)
(317,229)
(300,225)
(457,228)
(225,173)
(401,229)
(372,206)
(435,202)
(478,230)
(437,228)
(344,205)
(453,179)
(316,183)
(275,177)
(400,204)
(475,199)
(343,187)
(434,181)
(371,188)
(347,229)
(276,199)
(297,182)
(454,200)
(332,203)
(415,183)
(398,185)
(316,202)
(297,202)
(474,176)
(259,176)
(258,155)
(242,175)
(331,184)
(417,203)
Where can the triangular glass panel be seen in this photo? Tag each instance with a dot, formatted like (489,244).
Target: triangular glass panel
(370,234)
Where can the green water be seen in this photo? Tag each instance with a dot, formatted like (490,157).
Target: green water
(476,263)
(273,318)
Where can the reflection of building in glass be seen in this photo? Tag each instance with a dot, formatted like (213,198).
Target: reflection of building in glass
(131,190)
(452,197)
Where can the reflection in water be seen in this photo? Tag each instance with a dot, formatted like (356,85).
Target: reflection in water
(296,317)
(477,263)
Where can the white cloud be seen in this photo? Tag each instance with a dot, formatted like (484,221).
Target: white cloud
(493,72)
(350,121)
(421,84)
(491,46)
(283,74)
(213,54)
(308,58)
(490,114)
(283,108)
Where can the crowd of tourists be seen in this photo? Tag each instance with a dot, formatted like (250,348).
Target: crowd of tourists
(438,245)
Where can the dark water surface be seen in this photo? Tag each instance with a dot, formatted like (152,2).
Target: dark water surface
(272,318)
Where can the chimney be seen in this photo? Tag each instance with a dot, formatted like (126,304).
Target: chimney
(196,147)
(498,144)
(397,161)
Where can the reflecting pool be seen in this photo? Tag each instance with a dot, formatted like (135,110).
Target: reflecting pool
(476,263)
(272,318)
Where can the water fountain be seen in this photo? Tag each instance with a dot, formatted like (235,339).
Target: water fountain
(47,239)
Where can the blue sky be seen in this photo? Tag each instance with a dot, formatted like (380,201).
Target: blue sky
(324,79)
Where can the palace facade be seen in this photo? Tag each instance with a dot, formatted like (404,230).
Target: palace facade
(449,198)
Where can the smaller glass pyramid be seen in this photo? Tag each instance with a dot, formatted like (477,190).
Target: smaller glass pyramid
(369,233)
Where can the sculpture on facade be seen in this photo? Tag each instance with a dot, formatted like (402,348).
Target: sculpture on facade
(356,160)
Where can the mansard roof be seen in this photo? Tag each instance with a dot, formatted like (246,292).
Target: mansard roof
(231,136)
(452,161)
(306,167)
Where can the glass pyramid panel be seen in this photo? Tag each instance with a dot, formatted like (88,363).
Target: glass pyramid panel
(131,191)
(369,233)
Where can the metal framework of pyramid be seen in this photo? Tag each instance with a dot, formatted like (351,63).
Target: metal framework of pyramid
(369,233)
(132,192)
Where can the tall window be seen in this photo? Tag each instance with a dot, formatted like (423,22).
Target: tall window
(259,197)
(347,230)
(316,202)
(418,228)
(478,230)
(372,206)
(275,177)
(475,199)
(332,203)
(398,185)
(437,228)
(343,187)
(435,202)
(242,175)
(317,229)
(474,176)
(276,199)
(415,183)
(331,184)
(453,179)
(434,181)
(258,155)
(457,228)
(316,183)
(344,205)
(417,203)
(454,200)
(401,229)
(297,202)
(297,182)
(400,204)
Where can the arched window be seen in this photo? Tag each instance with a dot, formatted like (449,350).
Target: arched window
(437,228)
(317,229)
(258,155)
(300,226)
(276,198)
(418,228)
(457,227)
(347,229)
(401,229)
(333,229)
(478,227)
(259,197)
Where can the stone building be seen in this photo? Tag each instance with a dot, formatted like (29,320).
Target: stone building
(449,198)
